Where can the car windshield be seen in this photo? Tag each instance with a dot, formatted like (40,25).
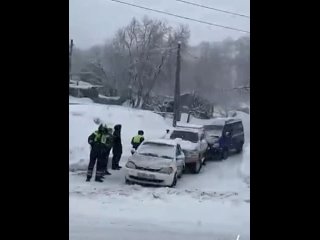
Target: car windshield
(156,150)
(214,130)
(184,135)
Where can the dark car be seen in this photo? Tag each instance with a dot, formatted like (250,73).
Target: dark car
(224,135)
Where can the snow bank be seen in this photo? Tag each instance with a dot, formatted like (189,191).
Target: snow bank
(81,125)
(245,164)
(109,98)
(74,100)
(126,214)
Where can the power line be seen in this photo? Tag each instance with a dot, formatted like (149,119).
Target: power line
(183,17)
(215,9)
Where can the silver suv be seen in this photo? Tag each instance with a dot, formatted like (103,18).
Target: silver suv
(193,144)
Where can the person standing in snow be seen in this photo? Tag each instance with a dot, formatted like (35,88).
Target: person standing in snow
(97,142)
(106,150)
(137,140)
(167,135)
(117,147)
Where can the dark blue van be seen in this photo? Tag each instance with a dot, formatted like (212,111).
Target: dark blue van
(223,136)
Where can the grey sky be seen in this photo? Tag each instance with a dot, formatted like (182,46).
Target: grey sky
(94,21)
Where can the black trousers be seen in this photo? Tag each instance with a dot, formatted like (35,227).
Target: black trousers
(95,157)
(116,159)
(105,159)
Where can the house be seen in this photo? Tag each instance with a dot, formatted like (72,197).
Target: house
(83,89)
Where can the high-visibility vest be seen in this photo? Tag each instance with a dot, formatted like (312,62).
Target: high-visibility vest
(137,139)
(102,138)
(97,136)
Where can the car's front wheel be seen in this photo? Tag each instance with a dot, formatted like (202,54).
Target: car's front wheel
(182,171)
(239,149)
(128,182)
(174,181)
(196,167)
(224,154)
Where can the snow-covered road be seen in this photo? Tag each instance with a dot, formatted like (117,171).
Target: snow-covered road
(214,204)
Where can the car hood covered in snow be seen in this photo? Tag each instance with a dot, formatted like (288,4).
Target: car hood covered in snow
(150,162)
(187,145)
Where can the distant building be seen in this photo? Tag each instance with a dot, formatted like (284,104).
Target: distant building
(83,89)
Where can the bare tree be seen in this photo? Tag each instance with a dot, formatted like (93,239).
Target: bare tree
(149,45)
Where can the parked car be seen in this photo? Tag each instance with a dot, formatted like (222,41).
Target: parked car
(156,162)
(193,144)
(222,136)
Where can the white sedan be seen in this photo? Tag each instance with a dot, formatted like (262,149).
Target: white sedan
(156,162)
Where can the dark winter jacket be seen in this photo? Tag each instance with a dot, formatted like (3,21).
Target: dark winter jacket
(117,145)
(136,141)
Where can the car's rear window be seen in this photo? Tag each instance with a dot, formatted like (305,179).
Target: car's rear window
(184,135)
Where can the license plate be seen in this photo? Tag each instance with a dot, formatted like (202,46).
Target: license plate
(144,175)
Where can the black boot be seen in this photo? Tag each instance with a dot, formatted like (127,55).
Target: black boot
(107,173)
(88,179)
(98,179)
(119,167)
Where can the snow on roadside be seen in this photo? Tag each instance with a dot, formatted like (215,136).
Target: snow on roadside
(177,214)
(109,98)
(74,100)
(245,164)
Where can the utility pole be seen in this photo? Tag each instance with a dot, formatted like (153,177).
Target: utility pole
(176,112)
(70,59)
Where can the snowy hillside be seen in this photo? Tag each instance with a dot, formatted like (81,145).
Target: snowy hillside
(81,125)
(214,204)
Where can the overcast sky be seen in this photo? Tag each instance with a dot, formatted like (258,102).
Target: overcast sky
(92,22)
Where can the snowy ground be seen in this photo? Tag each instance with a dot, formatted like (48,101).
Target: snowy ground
(214,204)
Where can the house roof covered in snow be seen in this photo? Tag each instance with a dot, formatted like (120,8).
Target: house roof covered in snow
(82,85)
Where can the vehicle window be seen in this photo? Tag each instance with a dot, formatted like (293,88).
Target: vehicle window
(156,150)
(178,152)
(202,136)
(227,128)
(184,135)
(235,128)
(238,128)
(214,127)
(180,149)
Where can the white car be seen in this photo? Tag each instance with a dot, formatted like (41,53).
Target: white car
(156,162)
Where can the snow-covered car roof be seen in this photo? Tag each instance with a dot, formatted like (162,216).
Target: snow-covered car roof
(186,129)
(223,121)
(188,125)
(172,142)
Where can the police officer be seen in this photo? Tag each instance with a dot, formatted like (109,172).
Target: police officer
(96,140)
(117,147)
(137,140)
